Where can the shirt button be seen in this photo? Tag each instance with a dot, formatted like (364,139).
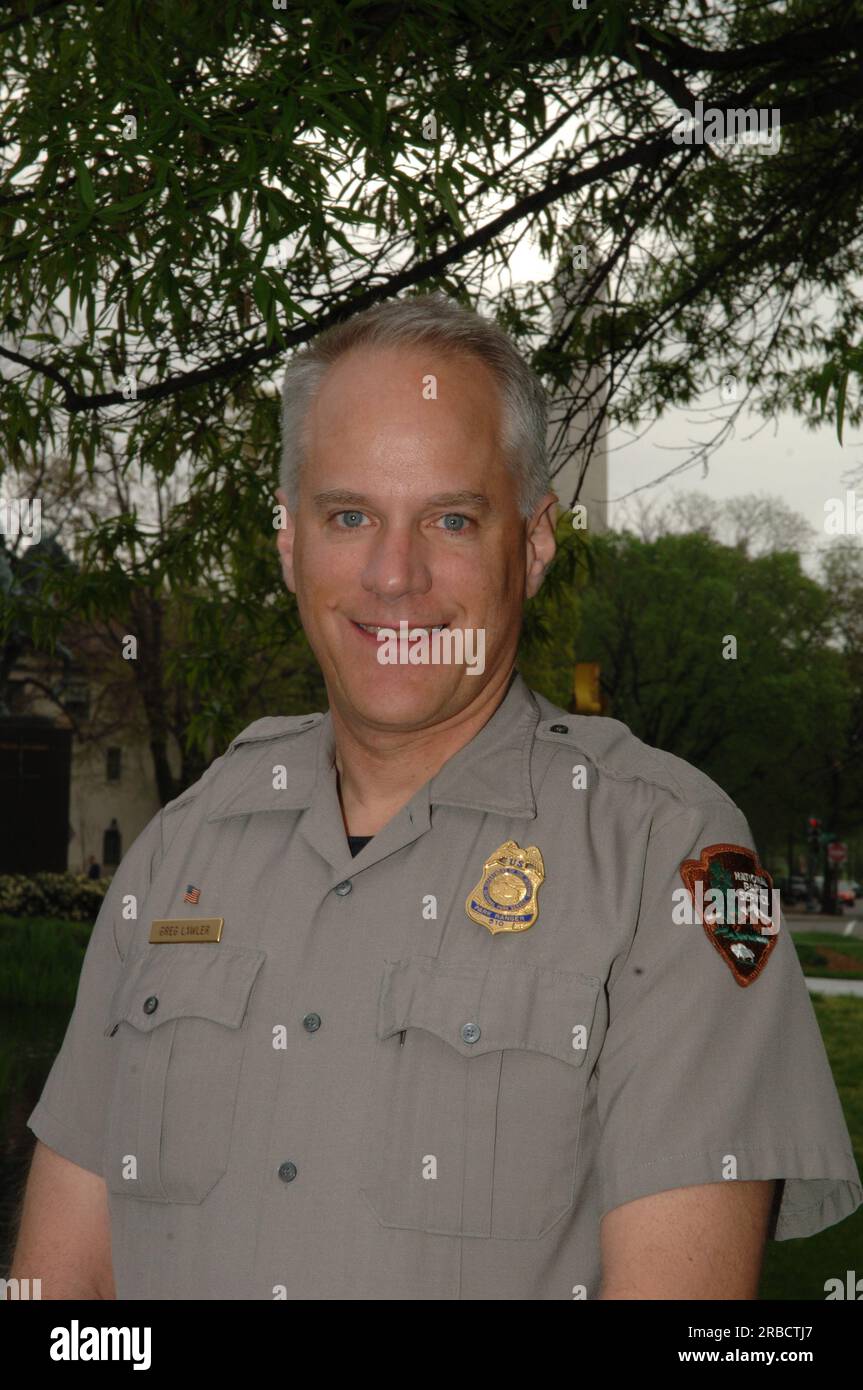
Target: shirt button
(151,1004)
(559,729)
(312,1023)
(344,888)
(287,1171)
(470,1032)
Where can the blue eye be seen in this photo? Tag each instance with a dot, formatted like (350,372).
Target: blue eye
(455,516)
(352,525)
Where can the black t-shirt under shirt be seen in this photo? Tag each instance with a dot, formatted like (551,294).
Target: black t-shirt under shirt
(356,843)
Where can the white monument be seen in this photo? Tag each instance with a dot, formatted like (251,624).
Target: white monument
(578,451)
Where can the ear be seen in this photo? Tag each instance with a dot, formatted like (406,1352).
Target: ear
(285,532)
(540,542)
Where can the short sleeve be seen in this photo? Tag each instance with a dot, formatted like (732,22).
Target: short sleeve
(71,1112)
(702,1078)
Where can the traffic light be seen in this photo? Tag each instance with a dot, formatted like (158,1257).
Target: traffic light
(813,832)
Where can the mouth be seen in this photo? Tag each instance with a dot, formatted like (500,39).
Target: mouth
(372,629)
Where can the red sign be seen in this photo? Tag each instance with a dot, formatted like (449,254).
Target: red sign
(837,852)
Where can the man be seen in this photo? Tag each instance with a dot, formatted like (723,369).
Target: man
(394,1003)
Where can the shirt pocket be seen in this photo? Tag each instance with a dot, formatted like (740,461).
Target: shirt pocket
(477,1094)
(177,1019)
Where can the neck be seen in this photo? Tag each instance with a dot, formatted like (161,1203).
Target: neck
(378,772)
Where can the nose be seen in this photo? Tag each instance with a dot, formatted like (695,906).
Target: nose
(397,564)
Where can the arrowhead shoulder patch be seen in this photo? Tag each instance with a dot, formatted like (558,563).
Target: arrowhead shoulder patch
(734,901)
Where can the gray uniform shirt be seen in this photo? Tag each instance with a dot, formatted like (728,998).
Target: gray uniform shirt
(360,1092)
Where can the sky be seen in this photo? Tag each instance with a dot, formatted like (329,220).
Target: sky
(782,458)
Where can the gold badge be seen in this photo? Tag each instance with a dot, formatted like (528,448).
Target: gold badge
(505,897)
(186,929)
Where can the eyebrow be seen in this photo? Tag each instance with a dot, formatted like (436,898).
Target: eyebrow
(340,497)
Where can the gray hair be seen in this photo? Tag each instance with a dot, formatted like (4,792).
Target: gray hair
(445,324)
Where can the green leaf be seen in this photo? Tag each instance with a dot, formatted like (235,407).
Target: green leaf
(444,192)
(841,392)
(118,209)
(85,186)
(262,293)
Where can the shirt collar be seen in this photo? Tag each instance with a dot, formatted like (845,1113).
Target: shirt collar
(492,772)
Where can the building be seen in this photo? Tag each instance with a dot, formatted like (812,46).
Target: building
(73,790)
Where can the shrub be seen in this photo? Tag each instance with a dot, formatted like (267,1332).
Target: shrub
(72,897)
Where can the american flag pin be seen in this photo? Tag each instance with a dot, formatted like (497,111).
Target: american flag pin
(192,894)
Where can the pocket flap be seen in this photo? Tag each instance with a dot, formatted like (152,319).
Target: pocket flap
(186,981)
(511,1006)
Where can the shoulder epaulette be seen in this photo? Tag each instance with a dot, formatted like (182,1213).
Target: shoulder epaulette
(616,751)
(271,727)
(275,726)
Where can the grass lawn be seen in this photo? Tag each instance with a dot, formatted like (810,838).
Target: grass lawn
(800,1268)
(827,954)
(40,961)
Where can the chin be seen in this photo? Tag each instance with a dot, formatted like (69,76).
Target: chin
(400,696)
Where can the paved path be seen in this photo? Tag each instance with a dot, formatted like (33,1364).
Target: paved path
(849,924)
(835,987)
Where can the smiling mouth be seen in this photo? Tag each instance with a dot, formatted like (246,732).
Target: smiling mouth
(375,628)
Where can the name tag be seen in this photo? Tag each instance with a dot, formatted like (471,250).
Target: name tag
(186,929)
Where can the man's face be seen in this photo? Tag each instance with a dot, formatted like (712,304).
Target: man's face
(407,511)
